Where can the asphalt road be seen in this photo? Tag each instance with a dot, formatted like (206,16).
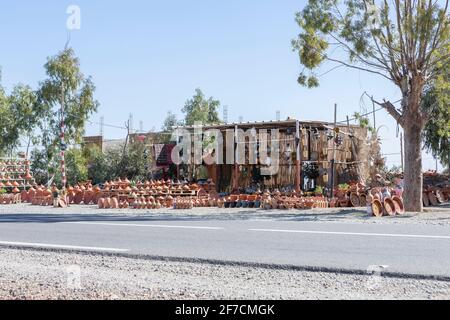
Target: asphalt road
(400,248)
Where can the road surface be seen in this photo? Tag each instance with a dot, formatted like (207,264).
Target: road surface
(404,248)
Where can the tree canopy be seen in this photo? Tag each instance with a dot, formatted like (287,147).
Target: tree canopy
(170,121)
(405,42)
(65,84)
(200,109)
(436,134)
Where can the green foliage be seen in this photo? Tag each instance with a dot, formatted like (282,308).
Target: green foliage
(132,164)
(392,39)
(363,122)
(17,116)
(436,135)
(76,166)
(200,109)
(98,167)
(64,84)
(318,190)
(115,163)
(170,122)
(343,187)
(42,168)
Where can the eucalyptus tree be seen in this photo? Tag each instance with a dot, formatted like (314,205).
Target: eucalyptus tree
(65,86)
(200,109)
(405,42)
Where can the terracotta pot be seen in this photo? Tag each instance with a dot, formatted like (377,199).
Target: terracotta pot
(362,199)
(389,206)
(398,203)
(433,199)
(425,200)
(114,203)
(354,199)
(24,196)
(107,203)
(101,203)
(440,196)
(88,197)
(377,208)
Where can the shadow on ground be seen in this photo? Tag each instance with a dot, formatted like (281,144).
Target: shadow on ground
(172,215)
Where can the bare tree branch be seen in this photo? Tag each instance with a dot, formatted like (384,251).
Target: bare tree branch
(390,108)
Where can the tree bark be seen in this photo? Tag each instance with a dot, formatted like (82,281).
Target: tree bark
(413,165)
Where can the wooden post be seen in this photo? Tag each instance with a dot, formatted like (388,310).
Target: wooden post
(178,162)
(298,160)
(334,154)
(236,168)
(401,150)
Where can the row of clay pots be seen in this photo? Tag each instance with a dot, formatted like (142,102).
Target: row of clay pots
(9,184)
(9,198)
(183,203)
(388,206)
(433,197)
(42,201)
(293,202)
(136,203)
(14,162)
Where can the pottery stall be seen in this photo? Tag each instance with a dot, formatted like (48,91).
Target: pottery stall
(15,180)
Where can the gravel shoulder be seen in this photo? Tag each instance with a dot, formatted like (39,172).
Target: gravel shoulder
(34,274)
(432,216)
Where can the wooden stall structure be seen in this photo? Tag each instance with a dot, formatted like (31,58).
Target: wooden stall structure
(305,154)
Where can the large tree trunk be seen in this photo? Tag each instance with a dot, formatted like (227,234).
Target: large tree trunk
(413,165)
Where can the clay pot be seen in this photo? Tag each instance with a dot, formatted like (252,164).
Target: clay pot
(354,199)
(169,201)
(107,203)
(114,203)
(398,203)
(425,200)
(88,197)
(433,199)
(362,199)
(440,196)
(389,206)
(24,196)
(377,208)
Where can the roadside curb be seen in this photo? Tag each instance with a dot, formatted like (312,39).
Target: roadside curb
(269,266)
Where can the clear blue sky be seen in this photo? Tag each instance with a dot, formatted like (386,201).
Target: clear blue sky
(147,57)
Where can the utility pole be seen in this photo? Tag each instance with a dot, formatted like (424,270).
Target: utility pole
(298,160)
(130,123)
(225,114)
(62,142)
(102,119)
(334,153)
